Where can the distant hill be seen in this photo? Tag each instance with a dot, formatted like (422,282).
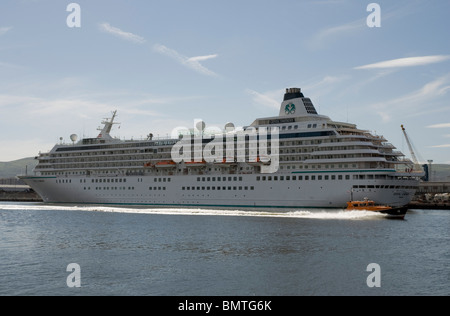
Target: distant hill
(14,168)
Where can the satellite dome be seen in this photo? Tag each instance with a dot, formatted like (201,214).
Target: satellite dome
(74,137)
(229,127)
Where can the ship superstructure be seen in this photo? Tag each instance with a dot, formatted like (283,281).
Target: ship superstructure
(298,159)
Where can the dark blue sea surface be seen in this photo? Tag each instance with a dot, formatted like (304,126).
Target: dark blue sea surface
(137,251)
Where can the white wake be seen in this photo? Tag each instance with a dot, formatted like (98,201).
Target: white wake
(311,214)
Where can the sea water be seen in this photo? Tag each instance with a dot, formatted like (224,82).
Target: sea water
(198,252)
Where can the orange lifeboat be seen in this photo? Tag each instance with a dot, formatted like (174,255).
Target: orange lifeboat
(166,164)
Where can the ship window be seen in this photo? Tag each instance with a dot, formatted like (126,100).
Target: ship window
(306,178)
(258,178)
(252,188)
(339,177)
(347,177)
(319,178)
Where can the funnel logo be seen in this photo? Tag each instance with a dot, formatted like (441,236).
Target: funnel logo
(289,109)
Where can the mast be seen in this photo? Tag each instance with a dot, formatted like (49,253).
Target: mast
(108,124)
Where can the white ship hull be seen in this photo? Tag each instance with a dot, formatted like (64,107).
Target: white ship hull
(245,192)
(298,159)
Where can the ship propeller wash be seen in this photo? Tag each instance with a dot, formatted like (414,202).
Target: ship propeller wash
(297,159)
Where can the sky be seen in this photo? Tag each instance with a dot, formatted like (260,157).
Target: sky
(163,64)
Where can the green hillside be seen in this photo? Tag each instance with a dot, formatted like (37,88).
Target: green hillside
(14,168)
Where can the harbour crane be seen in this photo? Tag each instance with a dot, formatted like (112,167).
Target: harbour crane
(414,157)
(410,146)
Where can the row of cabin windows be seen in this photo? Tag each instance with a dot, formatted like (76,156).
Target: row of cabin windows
(403,187)
(110,188)
(203,179)
(246,188)
(302,178)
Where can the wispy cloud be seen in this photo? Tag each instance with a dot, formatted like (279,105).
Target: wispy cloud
(412,101)
(192,62)
(330,34)
(406,62)
(202,58)
(441,146)
(444,125)
(266,99)
(4,30)
(106,27)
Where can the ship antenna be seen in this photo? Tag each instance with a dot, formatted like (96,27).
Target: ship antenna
(108,124)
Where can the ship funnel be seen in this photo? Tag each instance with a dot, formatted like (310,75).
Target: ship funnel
(295,104)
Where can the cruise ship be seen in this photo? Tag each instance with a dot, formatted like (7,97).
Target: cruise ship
(297,159)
